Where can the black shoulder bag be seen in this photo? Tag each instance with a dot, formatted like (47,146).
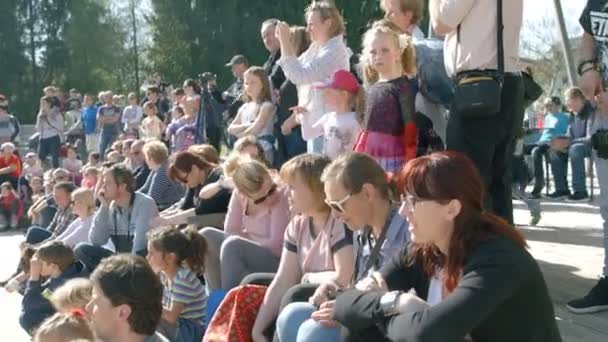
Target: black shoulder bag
(477,93)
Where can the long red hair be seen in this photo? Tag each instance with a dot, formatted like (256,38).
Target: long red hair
(442,177)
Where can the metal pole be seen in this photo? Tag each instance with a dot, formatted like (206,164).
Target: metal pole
(567,51)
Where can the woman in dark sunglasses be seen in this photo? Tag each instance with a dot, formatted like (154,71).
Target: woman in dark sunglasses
(257,216)
(357,190)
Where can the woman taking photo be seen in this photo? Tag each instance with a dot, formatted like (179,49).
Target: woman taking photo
(195,173)
(357,190)
(327,54)
(257,216)
(472,275)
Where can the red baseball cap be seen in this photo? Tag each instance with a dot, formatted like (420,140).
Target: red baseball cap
(341,80)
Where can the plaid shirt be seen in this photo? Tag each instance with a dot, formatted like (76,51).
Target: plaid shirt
(61,221)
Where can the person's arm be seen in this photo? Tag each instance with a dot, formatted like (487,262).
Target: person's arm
(265,115)
(125,118)
(288,275)
(236,127)
(159,186)
(16,128)
(148,211)
(233,225)
(446,15)
(327,61)
(180,217)
(8,169)
(172,315)
(102,226)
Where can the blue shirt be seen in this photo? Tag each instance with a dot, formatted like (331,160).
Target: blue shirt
(554,125)
(396,238)
(89,119)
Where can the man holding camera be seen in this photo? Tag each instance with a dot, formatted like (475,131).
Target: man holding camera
(232,96)
(470,30)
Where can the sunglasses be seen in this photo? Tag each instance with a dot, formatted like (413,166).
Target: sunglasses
(265,197)
(339,204)
(184,179)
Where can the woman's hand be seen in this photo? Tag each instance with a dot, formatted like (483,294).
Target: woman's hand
(160,221)
(325,314)
(323,293)
(375,282)
(282,32)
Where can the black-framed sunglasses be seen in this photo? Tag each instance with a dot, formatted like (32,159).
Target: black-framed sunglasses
(270,192)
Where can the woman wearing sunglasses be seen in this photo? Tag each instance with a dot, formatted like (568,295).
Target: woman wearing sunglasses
(196,174)
(357,190)
(257,216)
(472,277)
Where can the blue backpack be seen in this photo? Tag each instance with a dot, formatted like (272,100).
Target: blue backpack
(434,82)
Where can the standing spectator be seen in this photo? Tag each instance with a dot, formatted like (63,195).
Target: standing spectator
(163,190)
(49,124)
(132,116)
(11,207)
(272,44)
(593,70)
(9,125)
(154,96)
(89,123)
(127,300)
(389,133)
(108,118)
(74,112)
(232,96)
(470,44)
(574,145)
(341,126)
(327,54)
(257,116)
(555,125)
(10,165)
(123,217)
(183,129)
(406,14)
(151,127)
(291,132)
(192,93)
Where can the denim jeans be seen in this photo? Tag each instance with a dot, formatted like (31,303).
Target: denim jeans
(106,140)
(50,147)
(91,255)
(36,235)
(294,325)
(559,166)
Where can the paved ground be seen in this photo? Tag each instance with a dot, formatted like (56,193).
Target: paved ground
(567,243)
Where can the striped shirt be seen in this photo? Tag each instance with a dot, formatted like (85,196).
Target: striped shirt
(161,188)
(186,289)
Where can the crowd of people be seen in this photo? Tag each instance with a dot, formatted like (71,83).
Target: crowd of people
(310,201)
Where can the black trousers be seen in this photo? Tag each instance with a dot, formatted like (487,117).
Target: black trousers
(490,143)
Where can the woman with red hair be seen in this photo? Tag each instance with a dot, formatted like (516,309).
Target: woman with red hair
(472,275)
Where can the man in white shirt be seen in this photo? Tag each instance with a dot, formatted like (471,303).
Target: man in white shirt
(469,27)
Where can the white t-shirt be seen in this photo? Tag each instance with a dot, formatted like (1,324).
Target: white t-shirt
(340,132)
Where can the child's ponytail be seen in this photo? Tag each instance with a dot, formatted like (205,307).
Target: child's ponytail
(188,246)
(196,251)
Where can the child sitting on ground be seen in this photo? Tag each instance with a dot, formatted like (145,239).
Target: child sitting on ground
(37,186)
(75,294)
(32,167)
(73,164)
(53,260)
(65,327)
(179,257)
(89,179)
(11,207)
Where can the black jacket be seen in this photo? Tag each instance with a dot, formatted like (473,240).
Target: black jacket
(273,70)
(502,296)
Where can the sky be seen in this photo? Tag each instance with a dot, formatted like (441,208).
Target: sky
(535,10)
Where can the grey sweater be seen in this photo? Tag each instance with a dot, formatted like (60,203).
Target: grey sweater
(118,223)
(50,125)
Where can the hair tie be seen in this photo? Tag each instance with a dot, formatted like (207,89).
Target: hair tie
(78,312)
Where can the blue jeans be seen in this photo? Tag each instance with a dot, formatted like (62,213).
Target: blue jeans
(188,330)
(559,166)
(294,325)
(36,235)
(106,140)
(91,255)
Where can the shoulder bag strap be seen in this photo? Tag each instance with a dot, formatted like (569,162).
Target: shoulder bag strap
(499,39)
